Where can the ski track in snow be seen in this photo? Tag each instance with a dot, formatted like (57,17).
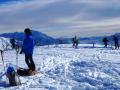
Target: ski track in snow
(65,68)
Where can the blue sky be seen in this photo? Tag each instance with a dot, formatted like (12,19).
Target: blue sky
(61,18)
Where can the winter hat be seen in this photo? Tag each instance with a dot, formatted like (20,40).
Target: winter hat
(27,31)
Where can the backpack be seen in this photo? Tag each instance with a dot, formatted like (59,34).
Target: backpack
(75,39)
(11,75)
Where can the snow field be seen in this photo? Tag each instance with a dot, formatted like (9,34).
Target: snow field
(65,68)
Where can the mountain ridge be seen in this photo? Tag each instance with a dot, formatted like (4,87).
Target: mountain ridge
(39,38)
(43,39)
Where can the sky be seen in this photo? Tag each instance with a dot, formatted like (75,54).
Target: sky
(61,18)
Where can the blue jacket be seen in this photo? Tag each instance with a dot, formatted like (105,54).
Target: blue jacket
(28,45)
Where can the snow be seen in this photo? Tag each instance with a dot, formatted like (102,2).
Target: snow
(4,43)
(61,67)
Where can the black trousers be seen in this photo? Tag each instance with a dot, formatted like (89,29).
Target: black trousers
(29,61)
(116,45)
(105,44)
(75,44)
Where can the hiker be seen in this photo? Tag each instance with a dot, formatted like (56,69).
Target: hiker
(12,41)
(75,42)
(116,41)
(105,41)
(27,49)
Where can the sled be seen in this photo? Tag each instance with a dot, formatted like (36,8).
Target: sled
(25,72)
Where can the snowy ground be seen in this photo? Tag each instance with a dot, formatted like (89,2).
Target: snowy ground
(66,68)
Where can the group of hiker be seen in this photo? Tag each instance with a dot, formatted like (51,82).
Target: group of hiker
(28,48)
(115,40)
(105,41)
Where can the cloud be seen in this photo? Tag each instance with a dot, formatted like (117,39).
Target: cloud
(24,14)
(62,17)
(77,26)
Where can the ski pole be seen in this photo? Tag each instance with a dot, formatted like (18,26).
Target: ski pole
(2,59)
(17,51)
(3,63)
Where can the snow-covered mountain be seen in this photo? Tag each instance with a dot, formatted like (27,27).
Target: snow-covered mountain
(83,40)
(40,38)
(89,40)
(43,39)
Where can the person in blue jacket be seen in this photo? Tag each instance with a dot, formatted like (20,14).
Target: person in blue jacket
(27,49)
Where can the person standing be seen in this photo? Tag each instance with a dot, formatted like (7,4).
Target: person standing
(105,41)
(75,42)
(12,41)
(27,48)
(116,41)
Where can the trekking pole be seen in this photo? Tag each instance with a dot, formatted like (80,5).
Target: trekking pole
(3,63)
(2,59)
(17,51)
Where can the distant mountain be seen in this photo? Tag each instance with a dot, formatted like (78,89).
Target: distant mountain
(117,34)
(39,38)
(64,40)
(43,39)
(82,40)
(90,40)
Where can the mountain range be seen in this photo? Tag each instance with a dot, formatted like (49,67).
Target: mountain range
(43,39)
(39,38)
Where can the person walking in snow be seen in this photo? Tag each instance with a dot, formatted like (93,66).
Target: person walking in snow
(105,41)
(75,42)
(12,41)
(116,41)
(27,48)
